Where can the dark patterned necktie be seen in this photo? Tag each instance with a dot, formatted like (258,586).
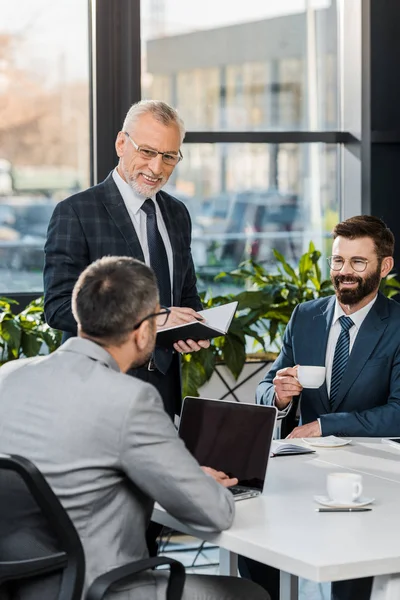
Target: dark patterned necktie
(158,254)
(340,357)
(160,266)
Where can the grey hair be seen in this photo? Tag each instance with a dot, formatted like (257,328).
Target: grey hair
(111,296)
(161,111)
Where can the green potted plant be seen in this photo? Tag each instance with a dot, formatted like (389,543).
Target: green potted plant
(26,333)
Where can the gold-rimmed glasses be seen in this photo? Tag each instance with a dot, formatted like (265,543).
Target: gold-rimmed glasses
(358,264)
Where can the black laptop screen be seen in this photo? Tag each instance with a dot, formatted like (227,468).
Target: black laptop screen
(229,436)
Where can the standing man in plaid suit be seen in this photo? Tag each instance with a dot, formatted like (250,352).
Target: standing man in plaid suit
(128,214)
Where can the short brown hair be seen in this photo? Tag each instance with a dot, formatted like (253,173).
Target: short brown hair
(367,226)
(111,295)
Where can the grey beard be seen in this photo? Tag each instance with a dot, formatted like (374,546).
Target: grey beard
(142,190)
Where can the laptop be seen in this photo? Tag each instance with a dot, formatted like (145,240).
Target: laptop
(233,437)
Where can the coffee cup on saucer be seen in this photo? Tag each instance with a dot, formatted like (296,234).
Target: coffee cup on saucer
(344,488)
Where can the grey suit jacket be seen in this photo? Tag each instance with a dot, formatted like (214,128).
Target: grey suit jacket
(368,401)
(108,449)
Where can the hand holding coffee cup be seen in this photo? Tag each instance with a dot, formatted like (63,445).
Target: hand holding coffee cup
(286,385)
(344,488)
(311,377)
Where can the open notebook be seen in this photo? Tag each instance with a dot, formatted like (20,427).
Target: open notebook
(278,448)
(216,322)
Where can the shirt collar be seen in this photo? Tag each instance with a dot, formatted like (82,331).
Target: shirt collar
(79,345)
(129,196)
(357,317)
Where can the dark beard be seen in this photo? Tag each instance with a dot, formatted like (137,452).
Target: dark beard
(143,361)
(364,288)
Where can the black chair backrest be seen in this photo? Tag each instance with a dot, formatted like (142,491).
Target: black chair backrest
(41,555)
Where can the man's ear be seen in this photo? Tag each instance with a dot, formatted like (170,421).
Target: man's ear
(141,335)
(120,144)
(387,266)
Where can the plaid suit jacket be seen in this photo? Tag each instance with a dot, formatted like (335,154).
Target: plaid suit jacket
(96,223)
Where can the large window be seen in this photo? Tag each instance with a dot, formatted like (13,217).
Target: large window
(242,69)
(44,127)
(247,199)
(256,84)
(243,66)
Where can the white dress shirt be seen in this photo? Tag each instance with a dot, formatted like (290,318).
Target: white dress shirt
(133,203)
(357,318)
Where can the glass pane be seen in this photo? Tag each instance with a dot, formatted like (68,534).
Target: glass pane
(247,199)
(44,127)
(243,65)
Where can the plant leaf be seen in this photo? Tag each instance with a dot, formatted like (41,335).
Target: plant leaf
(11,334)
(31,344)
(234,354)
(193,376)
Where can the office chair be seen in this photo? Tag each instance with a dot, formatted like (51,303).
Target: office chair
(41,553)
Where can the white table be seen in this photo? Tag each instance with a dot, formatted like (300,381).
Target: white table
(281,528)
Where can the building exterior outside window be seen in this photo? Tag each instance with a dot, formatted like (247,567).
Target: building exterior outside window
(44,128)
(277,72)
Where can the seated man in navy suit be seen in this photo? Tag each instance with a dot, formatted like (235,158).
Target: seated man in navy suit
(361,394)
(355,334)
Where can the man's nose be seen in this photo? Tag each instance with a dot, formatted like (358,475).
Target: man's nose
(347,269)
(156,164)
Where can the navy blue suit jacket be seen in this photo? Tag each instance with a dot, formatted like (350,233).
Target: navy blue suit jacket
(368,400)
(96,223)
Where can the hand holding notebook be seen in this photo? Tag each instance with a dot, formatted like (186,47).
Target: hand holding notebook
(216,322)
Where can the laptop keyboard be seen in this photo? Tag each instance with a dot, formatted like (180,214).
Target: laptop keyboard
(237,489)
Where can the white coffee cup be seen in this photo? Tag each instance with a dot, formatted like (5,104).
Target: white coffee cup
(311,377)
(344,488)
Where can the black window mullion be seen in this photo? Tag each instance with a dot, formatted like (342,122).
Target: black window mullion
(115,80)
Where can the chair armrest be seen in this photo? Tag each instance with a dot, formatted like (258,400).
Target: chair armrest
(122,574)
(31,567)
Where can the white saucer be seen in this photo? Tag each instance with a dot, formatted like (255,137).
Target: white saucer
(325,501)
(331,441)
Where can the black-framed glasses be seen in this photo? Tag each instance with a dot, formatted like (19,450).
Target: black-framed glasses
(165,312)
(336,263)
(170,158)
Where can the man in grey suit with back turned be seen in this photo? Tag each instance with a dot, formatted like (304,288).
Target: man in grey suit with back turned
(103,439)
(129,214)
(355,334)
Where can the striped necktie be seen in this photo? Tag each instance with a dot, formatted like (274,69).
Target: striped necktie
(340,357)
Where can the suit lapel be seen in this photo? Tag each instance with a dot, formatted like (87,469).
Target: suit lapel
(173,235)
(117,210)
(321,326)
(370,333)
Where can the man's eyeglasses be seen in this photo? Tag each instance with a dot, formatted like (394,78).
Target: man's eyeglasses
(336,263)
(168,157)
(164,312)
